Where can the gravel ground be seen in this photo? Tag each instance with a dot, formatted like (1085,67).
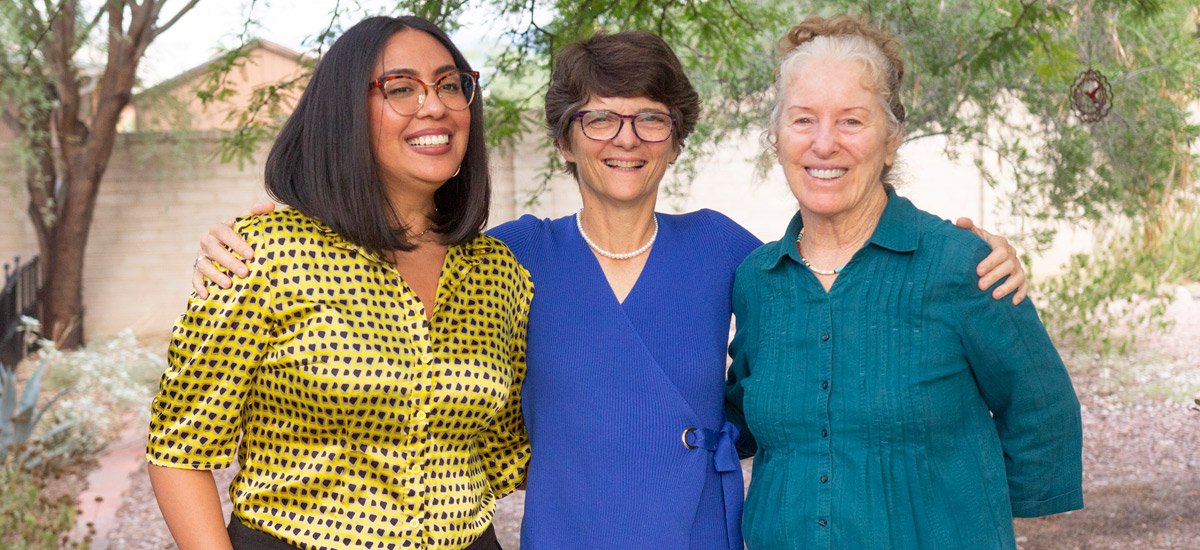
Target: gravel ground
(1141,468)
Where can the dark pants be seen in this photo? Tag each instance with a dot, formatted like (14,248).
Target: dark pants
(245,538)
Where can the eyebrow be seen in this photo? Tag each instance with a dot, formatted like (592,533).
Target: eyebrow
(410,72)
(806,108)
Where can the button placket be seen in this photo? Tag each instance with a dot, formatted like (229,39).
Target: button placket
(824,503)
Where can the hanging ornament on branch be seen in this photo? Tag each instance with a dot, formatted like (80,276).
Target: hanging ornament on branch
(1091,96)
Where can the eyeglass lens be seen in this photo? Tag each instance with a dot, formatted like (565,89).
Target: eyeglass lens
(406,94)
(651,127)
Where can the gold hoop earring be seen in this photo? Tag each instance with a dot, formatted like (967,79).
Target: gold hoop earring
(456,171)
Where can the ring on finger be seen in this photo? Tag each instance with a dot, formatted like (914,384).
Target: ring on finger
(196,264)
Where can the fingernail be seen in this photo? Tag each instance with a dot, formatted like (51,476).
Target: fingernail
(242,273)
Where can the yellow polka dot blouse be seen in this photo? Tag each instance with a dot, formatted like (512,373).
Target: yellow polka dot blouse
(361,424)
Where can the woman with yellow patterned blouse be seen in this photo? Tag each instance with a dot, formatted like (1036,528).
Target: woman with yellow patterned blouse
(367,372)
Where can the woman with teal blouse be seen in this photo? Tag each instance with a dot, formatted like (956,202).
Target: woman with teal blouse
(887,402)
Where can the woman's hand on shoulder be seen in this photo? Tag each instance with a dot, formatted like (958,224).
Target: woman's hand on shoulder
(215,249)
(1003,261)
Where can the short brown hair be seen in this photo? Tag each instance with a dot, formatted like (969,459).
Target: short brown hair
(624,64)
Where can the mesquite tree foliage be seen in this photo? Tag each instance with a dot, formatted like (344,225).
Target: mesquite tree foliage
(64,109)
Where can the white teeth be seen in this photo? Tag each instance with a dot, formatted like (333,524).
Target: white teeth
(827,174)
(625,163)
(430,141)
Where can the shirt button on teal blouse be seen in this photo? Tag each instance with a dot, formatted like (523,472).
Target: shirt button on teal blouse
(940,415)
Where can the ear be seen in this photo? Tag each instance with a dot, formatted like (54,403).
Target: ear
(893,147)
(564,149)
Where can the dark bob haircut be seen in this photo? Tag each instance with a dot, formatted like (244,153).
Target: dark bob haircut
(323,165)
(625,64)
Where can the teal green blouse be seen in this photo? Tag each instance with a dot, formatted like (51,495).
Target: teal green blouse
(902,409)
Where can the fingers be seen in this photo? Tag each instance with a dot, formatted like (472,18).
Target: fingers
(261,208)
(994,267)
(1016,281)
(965,223)
(1001,252)
(221,239)
(198,280)
(1004,262)
(206,268)
(1021,293)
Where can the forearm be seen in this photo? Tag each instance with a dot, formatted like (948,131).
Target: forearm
(191,506)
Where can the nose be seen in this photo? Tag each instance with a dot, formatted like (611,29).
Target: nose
(625,135)
(432,107)
(825,140)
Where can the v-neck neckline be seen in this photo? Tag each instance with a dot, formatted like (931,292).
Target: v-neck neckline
(598,270)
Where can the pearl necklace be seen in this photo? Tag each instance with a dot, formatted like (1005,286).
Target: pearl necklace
(810,266)
(614,255)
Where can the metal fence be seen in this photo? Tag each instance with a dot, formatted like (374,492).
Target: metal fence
(19,297)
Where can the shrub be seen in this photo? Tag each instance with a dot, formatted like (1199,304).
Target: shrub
(1101,302)
(32,516)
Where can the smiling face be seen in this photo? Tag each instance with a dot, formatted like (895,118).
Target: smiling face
(832,138)
(416,153)
(623,169)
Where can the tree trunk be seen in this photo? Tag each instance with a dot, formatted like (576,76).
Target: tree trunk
(62,295)
(65,136)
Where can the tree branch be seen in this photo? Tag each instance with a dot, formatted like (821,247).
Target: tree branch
(162,28)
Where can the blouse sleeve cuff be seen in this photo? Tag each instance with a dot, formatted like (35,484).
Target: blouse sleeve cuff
(1057,505)
(180,463)
(508,482)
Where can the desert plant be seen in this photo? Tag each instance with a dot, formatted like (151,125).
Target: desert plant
(110,381)
(19,416)
(32,517)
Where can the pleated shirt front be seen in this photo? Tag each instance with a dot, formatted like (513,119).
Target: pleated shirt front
(870,407)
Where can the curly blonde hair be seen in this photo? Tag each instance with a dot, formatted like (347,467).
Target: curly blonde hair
(846,38)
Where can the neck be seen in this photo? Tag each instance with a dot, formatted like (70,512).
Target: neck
(618,228)
(833,239)
(412,212)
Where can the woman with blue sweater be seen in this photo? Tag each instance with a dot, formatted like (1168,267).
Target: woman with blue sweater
(623,396)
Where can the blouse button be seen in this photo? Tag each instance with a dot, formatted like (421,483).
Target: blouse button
(825,337)
(822,522)
(414,523)
(419,415)
(824,478)
(427,358)
(825,385)
(824,432)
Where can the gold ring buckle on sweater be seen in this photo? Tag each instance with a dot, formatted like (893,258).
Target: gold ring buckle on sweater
(687,445)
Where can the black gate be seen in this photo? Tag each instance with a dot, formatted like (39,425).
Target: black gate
(19,297)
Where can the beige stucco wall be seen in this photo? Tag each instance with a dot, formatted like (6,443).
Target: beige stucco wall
(158,197)
(726,183)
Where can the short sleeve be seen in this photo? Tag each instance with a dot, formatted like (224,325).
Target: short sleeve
(505,444)
(216,347)
(1027,388)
